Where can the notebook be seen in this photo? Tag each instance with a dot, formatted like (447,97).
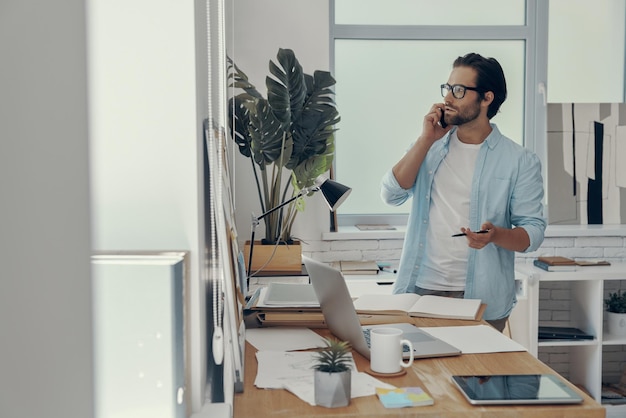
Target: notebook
(342,320)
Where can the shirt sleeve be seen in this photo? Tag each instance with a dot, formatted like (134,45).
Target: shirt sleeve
(527,209)
(391,192)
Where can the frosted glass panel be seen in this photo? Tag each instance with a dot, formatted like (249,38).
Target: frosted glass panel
(384,89)
(426,12)
(139,335)
(586,51)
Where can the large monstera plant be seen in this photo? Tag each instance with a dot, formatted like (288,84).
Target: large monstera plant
(288,136)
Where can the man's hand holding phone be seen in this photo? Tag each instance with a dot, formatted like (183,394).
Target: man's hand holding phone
(434,125)
(442,122)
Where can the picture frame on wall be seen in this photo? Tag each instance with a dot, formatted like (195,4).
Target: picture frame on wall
(585,175)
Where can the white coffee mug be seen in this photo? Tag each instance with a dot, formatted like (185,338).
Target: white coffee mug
(386,345)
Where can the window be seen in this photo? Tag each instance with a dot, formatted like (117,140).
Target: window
(586,37)
(391,57)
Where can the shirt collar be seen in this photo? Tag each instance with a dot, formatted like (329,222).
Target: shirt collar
(492,139)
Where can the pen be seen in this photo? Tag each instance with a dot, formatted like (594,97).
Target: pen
(462,234)
(384,266)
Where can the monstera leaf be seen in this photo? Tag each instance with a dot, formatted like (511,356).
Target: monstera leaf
(269,141)
(239,121)
(287,93)
(316,123)
(308,170)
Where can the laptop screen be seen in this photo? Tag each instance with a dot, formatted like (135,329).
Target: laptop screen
(336,304)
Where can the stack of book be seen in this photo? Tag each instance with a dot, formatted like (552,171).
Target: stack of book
(615,393)
(356,267)
(559,263)
(555,263)
(286,304)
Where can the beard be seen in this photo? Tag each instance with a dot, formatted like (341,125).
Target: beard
(464,115)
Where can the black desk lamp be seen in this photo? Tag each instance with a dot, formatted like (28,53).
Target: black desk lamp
(334,195)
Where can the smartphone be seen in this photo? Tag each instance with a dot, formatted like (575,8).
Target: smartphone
(441,121)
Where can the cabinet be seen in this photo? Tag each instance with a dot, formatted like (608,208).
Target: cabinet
(586,311)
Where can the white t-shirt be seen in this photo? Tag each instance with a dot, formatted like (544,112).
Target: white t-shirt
(445,265)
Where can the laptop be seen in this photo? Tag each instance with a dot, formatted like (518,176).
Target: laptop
(562,333)
(342,320)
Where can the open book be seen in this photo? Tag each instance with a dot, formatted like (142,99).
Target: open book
(427,306)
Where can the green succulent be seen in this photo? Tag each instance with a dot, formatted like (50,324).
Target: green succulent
(616,302)
(334,357)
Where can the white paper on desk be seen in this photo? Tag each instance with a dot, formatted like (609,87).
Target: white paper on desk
(294,371)
(283,338)
(474,339)
(277,367)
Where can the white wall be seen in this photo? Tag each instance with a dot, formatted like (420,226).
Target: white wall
(45,292)
(256,33)
(146,124)
(145,132)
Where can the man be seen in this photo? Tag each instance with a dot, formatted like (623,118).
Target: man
(466,177)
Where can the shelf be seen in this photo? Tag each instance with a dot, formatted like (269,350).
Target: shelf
(615,411)
(563,343)
(579,303)
(616,271)
(609,339)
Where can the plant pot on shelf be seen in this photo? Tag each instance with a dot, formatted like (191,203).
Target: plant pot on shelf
(616,324)
(270,257)
(616,313)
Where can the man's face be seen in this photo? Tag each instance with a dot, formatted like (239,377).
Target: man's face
(467,109)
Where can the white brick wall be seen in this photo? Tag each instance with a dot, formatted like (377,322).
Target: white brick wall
(352,250)
(554,298)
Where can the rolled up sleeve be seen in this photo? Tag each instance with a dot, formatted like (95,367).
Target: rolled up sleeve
(527,201)
(391,192)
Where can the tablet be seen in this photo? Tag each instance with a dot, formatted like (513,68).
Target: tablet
(516,389)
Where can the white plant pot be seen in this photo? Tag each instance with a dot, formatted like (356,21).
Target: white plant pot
(616,324)
(332,390)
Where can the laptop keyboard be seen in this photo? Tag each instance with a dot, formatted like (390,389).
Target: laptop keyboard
(367,335)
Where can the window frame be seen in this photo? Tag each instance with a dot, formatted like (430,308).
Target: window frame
(535,36)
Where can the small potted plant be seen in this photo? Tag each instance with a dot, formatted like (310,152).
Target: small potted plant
(616,313)
(333,374)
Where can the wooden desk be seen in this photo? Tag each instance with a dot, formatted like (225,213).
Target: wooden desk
(431,374)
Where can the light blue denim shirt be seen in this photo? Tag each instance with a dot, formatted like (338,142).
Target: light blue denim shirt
(507,190)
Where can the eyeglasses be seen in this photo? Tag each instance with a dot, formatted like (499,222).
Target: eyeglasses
(458,90)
